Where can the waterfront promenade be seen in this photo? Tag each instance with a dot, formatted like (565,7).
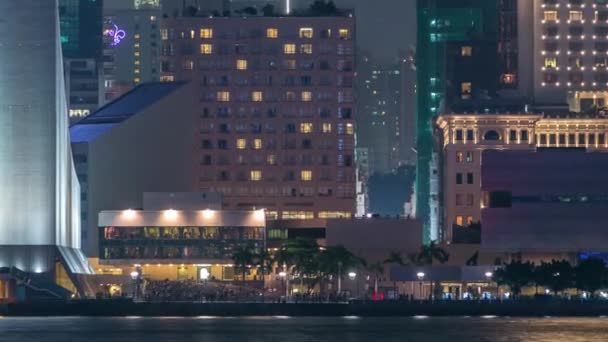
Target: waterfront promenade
(384,308)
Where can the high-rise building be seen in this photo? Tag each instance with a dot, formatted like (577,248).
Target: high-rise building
(380,113)
(131,52)
(457,49)
(276,104)
(81,26)
(568,57)
(39,222)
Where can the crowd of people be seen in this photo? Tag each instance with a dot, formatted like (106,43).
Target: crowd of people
(195,291)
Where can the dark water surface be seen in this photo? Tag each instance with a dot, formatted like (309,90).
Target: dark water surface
(292,329)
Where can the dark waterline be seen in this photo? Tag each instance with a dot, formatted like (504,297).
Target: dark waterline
(287,329)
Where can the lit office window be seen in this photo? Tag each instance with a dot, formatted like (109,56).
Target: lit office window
(289,49)
(206,49)
(137,36)
(257,96)
(459,220)
(306,96)
(466,51)
(344,34)
(575,15)
(241,144)
(350,129)
(550,62)
(256,175)
(306,49)
(136,54)
(550,15)
(326,127)
(164,34)
(306,175)
(459,157)
(306,127)
(257,144)
(223,96)
(206,33)
(271,159)
(306,32)
(241,64)
(272,33)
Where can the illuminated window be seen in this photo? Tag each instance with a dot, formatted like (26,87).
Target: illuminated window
(289,49)
(137,36)
(164,34)
(465,90)
(136,54)
(469,157)
(223,96)
(459,220)
(350,130)
(344,34)
(326,127)
(297,215)
(136,71)
(575,15)
(550,62)
(290,96)
(306,175)
(241,144)
(306,49)
(257,96)
(306,96)
(241,64)
(306,127)
(271,159)
(192,34)
(550,15)
(257,144)
(466,51)
(256,175)
(306,32)
(206,33)
(136,45)
(459,157)
(152,18)
(272,33)
(136,62)
(167,78)
(508,78)
(206,49)
(136,80)
(334,214)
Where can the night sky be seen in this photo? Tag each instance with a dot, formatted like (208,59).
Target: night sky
(383,26)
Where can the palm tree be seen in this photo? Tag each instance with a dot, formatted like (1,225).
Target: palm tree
(299,257)
(334,260)
(426,256)
(515,275)
(396,259)
(243,256)
(264,261)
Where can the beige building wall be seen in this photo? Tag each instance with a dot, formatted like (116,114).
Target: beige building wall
(465,136)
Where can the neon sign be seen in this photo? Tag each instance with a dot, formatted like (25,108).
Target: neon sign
(116,34)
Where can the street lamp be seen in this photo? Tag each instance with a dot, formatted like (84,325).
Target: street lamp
(489,275)
(352,275)
(420,276)
(135,277)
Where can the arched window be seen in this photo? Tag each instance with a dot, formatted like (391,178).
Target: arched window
(491,135)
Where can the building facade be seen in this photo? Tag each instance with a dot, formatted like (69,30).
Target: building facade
(464,137)
(83,84)
(201,242)
(40,227)
(275,109)
(131,52)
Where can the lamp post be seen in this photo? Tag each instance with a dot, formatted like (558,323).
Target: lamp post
(283,275)
(135,278)
(420,276)
(339,277)
(352,276)
(489,275)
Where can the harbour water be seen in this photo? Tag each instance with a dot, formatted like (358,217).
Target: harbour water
(300,329)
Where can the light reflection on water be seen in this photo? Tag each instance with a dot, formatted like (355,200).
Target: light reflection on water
(300,329)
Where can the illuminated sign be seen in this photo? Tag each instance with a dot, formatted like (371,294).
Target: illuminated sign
(79,113)
(116,34)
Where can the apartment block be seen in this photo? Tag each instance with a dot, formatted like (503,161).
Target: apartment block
(276,113)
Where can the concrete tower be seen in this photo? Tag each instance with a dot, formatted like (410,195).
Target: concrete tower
(40,202)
